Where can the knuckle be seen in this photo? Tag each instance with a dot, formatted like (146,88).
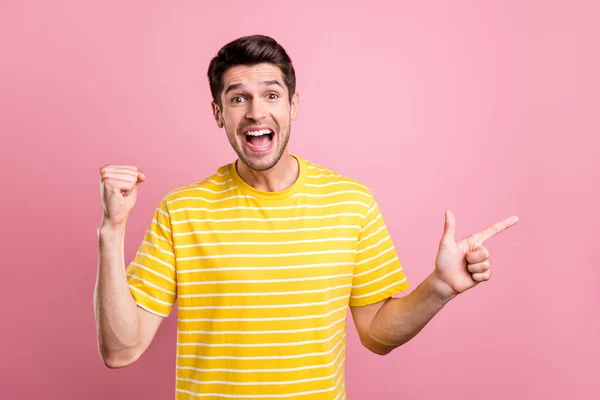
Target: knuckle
(475,268)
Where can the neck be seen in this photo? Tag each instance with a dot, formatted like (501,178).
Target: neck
(280,177)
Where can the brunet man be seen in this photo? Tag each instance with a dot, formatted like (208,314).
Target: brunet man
(264,256)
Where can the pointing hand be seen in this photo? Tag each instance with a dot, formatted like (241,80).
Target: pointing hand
(463,264)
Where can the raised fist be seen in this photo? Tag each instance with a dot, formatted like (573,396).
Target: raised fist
(118,191)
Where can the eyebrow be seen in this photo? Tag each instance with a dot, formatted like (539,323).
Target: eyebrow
(236,86)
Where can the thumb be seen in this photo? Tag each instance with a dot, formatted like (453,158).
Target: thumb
(141,177)
(449,226)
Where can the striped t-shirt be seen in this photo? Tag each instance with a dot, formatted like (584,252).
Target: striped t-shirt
(264,281)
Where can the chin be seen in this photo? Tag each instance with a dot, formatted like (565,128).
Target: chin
(261,162)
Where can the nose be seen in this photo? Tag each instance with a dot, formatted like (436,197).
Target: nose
(256,110)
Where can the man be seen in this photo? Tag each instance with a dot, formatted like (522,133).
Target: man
(264,256)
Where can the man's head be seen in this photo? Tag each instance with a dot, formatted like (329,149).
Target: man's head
(253,84)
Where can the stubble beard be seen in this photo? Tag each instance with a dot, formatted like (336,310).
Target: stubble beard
(259,166)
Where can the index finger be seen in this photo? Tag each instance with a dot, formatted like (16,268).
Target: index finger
(493,229)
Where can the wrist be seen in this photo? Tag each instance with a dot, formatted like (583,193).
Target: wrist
(108,228)
(442,289)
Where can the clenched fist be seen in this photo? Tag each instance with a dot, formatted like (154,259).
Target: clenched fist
(118,191)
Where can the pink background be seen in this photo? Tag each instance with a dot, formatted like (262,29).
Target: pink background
(487,108)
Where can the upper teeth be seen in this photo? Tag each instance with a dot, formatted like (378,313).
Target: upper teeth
(258,133)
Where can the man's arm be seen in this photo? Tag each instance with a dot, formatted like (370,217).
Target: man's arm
(124,330)
(460,265)
(390,323)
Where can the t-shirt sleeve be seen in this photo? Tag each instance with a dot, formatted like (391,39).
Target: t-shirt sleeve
(378,273)
(151,275)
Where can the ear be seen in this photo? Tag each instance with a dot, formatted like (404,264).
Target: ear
(217,114)
(294,106)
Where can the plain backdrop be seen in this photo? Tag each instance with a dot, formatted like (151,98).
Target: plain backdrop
(489,109)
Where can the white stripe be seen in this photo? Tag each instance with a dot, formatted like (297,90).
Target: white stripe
(297,318)
(378,279)
(269,207)
(372,234)
(160,210)
(366,226)
(261,344)
(318,168)
(158,247)
(379,291)
(236,383)
(278,331)
(325,176)
(290,357)
(374,257)
(187,296)
(267,369)
(161,225)
(372,208)
(223,173)
(204,190)
(209,200)
(159,237)
(320,228)
(151,310)
(150,297)
(189,271)
(317,303)
(340,393)
(376,268)
(224,282)
(158,260)
(184,246)
(153,271)
(151,284)
(262,396)
(335,183)
(307,253)
(304,217)
(373,245)
(329,194)
(219,183)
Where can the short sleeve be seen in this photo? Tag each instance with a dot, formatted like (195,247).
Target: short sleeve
(151,275)
(378,273)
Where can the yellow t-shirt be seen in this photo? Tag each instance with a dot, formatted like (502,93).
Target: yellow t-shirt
(264,280)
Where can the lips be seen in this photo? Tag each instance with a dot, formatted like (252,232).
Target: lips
(259,138)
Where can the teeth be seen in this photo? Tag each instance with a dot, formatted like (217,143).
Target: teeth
(258,133)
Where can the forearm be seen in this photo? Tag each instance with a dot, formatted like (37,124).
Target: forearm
(118,321)
(399,320)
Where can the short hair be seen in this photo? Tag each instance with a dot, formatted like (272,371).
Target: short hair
(250,50)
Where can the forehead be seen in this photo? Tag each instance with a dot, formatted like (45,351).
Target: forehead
(252,75)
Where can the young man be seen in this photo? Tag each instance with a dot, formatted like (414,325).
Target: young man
(264,256)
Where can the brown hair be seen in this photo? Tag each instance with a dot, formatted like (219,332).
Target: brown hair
(250,50)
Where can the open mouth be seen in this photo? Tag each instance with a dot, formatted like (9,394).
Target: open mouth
(259,139)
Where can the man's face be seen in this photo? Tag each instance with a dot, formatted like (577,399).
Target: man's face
(256,113)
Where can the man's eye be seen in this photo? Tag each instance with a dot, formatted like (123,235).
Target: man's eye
(237,99)
(272,96)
